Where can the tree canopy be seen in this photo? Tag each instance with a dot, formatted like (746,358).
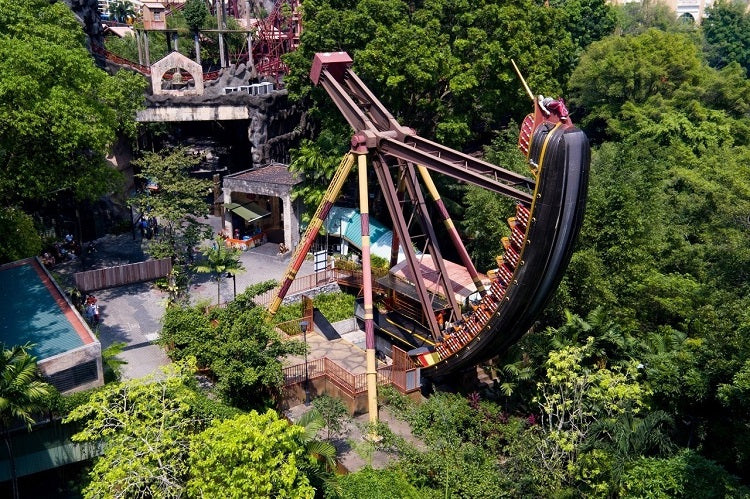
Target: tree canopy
(252,455)
(59,113)
(236,343)
(163,438)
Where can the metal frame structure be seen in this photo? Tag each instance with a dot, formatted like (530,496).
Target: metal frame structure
(549,213)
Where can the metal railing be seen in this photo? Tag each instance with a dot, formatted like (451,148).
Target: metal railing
(299,285)
(350,383)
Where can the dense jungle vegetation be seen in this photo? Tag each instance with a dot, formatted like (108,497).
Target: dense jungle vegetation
(634,383)
(637,379)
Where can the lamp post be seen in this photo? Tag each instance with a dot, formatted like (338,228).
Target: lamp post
(303,327)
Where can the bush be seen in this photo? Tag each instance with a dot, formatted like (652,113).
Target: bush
(399,403)
(687,474)
(238,345)
(335,306)
(374,484)
(334,413)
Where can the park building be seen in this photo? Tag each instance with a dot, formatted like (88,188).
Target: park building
(688,10)
(34,310)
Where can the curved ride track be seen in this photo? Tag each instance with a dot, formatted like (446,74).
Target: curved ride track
(533,264)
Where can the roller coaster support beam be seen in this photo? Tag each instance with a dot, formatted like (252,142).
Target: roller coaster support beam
(395,242)
(372,371)
(401,229)
(312,230)
(366,114)
(451,228)
(415,192)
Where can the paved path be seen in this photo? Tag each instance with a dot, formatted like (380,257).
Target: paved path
(132,314)
(341,351)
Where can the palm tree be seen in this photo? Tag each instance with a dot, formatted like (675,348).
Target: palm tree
(221,260)
(122,10)
(21,394)
(629,437)
(321,455)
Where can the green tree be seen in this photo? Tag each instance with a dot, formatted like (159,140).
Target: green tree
(145,427)
(18,236)
(253,455)
(573,397)
(727,34)
(687,474)
(55,130)
(636,17)
(196,13)
(627,438)
(178,203)
(632,69)
(321,455)
(22,394)
(122,11)
(317,162)
(484,225)
(587,20)
(236,343)
(113,365)
(221,260)
(333,412)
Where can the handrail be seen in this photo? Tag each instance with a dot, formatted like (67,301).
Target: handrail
(352,384)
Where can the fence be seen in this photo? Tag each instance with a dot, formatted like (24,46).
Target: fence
(299,285)
(406,380)
(111,277)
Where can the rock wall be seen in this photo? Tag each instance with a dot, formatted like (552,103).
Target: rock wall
(87,12)
(275,124)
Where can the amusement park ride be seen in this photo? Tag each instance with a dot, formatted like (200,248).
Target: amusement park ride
(548,215)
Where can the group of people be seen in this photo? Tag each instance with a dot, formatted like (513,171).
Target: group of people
(68,249)
(148,226)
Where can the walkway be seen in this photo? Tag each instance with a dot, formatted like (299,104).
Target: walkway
(132,314)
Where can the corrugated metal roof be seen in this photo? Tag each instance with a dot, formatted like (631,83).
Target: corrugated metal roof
(458,276)
(274,173)
(32,311)
(348,222)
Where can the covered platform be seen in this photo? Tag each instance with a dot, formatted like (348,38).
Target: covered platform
(259,200)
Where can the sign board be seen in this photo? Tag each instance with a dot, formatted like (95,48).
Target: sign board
(320,260)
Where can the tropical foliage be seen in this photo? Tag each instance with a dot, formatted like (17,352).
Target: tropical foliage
(252,455)
(236,344)
(22,395)
(59,116)
(643,352)
(161,437)
(177,200)
(221,260)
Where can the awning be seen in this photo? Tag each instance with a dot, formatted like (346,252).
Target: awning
(250,212)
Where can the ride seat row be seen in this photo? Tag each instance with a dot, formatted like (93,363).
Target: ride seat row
(462,333)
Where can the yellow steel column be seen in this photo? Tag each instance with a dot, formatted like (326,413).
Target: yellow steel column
(372,372)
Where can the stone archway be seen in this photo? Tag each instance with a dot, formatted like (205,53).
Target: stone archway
(176,63)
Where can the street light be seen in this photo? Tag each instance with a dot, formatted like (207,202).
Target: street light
(303,327)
